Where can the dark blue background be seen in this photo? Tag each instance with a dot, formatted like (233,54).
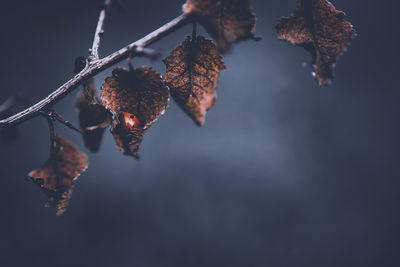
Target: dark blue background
(284,172)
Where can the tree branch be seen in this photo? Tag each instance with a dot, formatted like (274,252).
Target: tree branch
(94,51)
(93,68)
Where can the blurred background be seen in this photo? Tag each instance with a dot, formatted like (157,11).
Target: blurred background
(283,173)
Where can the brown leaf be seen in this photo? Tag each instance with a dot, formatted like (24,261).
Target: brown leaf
(58,175)
(93,117)
(192,74)
(322,30)
(137,98)
(228,21)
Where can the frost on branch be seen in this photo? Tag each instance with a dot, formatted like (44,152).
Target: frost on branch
(58,175)
(137,98)
(193,70)
(93,117)
(322,30)
(228,21)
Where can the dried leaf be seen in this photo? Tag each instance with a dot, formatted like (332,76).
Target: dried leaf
(93,117)
(193,70)
(58,175)
(228,21)
(322,30)
(137,98)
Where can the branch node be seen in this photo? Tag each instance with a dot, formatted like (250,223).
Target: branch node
(80,64)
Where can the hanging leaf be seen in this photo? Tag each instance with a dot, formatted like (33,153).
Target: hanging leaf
(58,175)
(137,98)
(93,117)
(322,30)
(228,21)
(192,74)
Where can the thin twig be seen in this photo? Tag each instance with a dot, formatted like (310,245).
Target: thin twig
(60,119)
(94,51)
(93,68)
(51,132)
(57,117)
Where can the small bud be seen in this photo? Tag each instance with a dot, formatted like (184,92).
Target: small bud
(80,64)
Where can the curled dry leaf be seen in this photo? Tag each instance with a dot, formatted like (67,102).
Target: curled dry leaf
(137,98)
(228,21)
(93,117)
(193,69)
(322,30)
(58,175)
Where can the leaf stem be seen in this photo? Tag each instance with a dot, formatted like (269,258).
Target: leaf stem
(194,31)
(51,132)
(55,116)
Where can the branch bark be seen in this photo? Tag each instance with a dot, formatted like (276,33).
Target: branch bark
(94,51)
(93,68)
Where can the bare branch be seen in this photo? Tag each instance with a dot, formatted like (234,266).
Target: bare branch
(94,51)
(11,103)
(93,68)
